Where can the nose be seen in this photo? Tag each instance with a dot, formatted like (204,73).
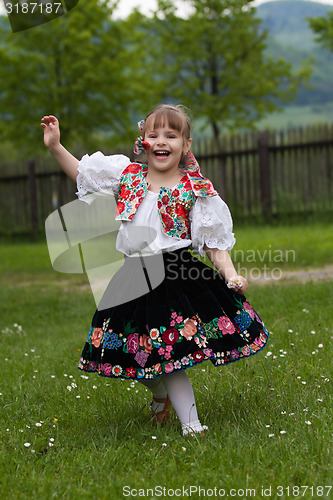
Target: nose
(160,141)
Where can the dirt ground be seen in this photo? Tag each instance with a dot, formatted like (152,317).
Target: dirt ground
(297,276)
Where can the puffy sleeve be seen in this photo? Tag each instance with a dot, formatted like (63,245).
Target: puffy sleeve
(211,224)
(99,173)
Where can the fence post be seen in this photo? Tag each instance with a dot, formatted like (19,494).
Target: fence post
(33,199)
(265,178)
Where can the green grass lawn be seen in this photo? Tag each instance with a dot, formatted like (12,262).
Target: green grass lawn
(303,246)
(269,417)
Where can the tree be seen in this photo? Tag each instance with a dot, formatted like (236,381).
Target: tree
(98,74)
(323,28)
(215,62)
(72,67)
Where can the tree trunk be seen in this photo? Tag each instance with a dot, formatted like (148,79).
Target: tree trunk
(216,134)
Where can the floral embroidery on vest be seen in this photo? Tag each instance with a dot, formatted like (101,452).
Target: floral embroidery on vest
(174,205)
(132,190)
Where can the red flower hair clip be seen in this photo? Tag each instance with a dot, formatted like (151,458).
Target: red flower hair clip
(140,146)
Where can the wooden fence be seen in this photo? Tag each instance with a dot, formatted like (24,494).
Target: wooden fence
(261,175)
(269,175)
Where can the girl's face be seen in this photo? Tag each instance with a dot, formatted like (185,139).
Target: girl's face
(167,147)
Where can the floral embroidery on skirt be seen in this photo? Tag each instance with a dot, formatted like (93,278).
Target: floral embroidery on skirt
(189,318)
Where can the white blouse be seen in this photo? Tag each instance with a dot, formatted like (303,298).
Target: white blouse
(210,218)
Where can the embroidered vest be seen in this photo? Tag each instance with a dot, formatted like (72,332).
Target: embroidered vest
(174,205)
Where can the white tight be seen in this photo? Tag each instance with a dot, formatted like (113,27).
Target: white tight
(179,388)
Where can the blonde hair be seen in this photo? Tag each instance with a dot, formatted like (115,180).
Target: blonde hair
(175,116)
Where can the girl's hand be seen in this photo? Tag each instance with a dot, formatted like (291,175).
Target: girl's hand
(239,284)
(51,128)
(64,158)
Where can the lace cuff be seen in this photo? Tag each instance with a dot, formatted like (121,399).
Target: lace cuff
(100,173)
(211,225)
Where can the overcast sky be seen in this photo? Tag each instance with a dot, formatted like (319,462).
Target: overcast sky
(125,6)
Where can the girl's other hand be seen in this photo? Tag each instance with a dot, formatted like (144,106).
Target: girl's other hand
(239,284)
(51,128)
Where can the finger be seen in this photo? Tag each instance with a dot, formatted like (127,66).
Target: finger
(47,125)
(49,119)
(46,120)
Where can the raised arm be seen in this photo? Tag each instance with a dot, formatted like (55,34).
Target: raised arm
(223,263)
(64,158)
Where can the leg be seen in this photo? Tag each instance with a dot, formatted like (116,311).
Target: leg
(180,391)
(161,403)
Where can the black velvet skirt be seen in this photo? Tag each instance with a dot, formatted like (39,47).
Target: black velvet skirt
(167,313)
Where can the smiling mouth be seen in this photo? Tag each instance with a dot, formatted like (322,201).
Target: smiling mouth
(162,154)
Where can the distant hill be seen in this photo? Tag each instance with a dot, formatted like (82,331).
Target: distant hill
(286,21)
(291,38)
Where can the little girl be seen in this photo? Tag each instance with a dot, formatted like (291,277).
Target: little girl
(196,313)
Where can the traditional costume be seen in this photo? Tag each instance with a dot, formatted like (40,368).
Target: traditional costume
(191,316)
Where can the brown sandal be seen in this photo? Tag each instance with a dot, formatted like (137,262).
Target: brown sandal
(163,415)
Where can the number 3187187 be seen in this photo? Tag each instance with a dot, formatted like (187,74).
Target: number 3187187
(24,7)
(314,491)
